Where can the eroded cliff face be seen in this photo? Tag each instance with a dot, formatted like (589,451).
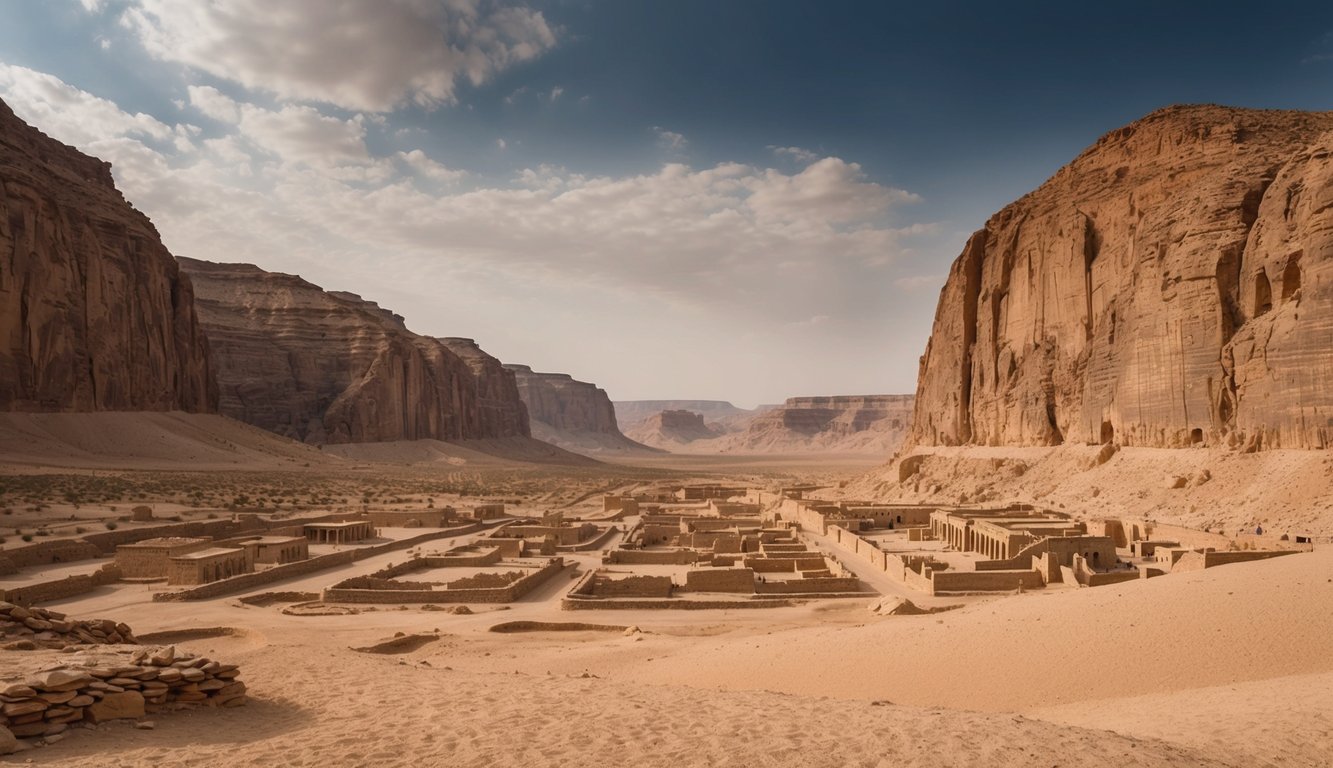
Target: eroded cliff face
(569,413)
(852,423)
(502,411)
(330,367)
(94,313)
(1168,287)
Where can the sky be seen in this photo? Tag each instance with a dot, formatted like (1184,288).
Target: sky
(741,200)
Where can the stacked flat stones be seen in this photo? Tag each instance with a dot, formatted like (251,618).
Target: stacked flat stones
(116,684)
(31,628)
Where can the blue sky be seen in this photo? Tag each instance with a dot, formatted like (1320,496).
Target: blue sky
(733,200)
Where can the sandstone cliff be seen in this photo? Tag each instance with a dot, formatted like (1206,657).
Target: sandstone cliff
(672,429)
(860,423)
(630,414)
(572,414)
(330,367)
(94,314)
(1167,287)
(501,408)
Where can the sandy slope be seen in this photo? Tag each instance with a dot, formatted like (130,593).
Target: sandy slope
(144,441)
(466,452)
(1287,491)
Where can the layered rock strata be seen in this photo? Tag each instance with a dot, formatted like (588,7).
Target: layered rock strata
(94,313)
(570,413)
(837,423)
(330,367)
(1168,287)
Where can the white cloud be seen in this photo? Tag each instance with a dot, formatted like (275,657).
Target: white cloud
(292,185)
(796,153)
(366,56)
(214,103)
(93,6)
(555,93)
(72,115)
(670,139)
(420,163)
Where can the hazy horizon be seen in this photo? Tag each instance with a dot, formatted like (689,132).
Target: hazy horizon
(744,201)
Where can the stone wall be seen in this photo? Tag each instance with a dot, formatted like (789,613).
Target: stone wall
(632,586)
(721,580)
(303,567)
(506,594)
(649,557)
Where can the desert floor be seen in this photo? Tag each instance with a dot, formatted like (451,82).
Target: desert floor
(1230,667)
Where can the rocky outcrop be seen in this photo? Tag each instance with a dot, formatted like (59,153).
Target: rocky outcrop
(719,413)
(571,414)
(859,423)
(668,429)
(502,411)
(330,367)
(94,314)
(1165,288)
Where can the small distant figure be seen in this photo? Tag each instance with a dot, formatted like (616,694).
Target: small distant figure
(1258,530)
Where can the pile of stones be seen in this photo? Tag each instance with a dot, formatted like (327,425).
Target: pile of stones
(26,629)
(112,684)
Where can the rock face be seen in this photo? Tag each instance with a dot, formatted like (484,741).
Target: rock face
(502,411)
(860,423)
(719,413)
(330,367)
(571,414)
(668,429)
(1170,286)
(94,314)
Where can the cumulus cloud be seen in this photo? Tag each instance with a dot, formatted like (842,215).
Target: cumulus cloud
(214,103)
(366,56)
(70,114)
(421,164)
(295,182)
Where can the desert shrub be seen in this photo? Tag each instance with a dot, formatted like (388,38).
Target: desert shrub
(111,525)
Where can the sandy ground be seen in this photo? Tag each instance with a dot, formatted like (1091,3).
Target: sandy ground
(1170,671)
(1229,667)
(1285,491)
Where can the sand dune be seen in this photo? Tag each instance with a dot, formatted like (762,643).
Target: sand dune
(144,441)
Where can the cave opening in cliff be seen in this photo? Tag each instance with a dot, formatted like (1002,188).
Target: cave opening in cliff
(1196,436)
(1263,294)
(1291,277)
(1108,432)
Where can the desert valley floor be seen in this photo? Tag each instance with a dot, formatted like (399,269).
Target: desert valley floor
(1229,666)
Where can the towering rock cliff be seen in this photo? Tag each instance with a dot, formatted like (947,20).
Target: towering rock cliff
(571,414)
(1172,285)
(502,411)
(330,367)
(94,314)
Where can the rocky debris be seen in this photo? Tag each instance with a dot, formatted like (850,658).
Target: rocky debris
(26,629)
(330,367)
(571,414)
(94,312)
(1166,288)
(113,683)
